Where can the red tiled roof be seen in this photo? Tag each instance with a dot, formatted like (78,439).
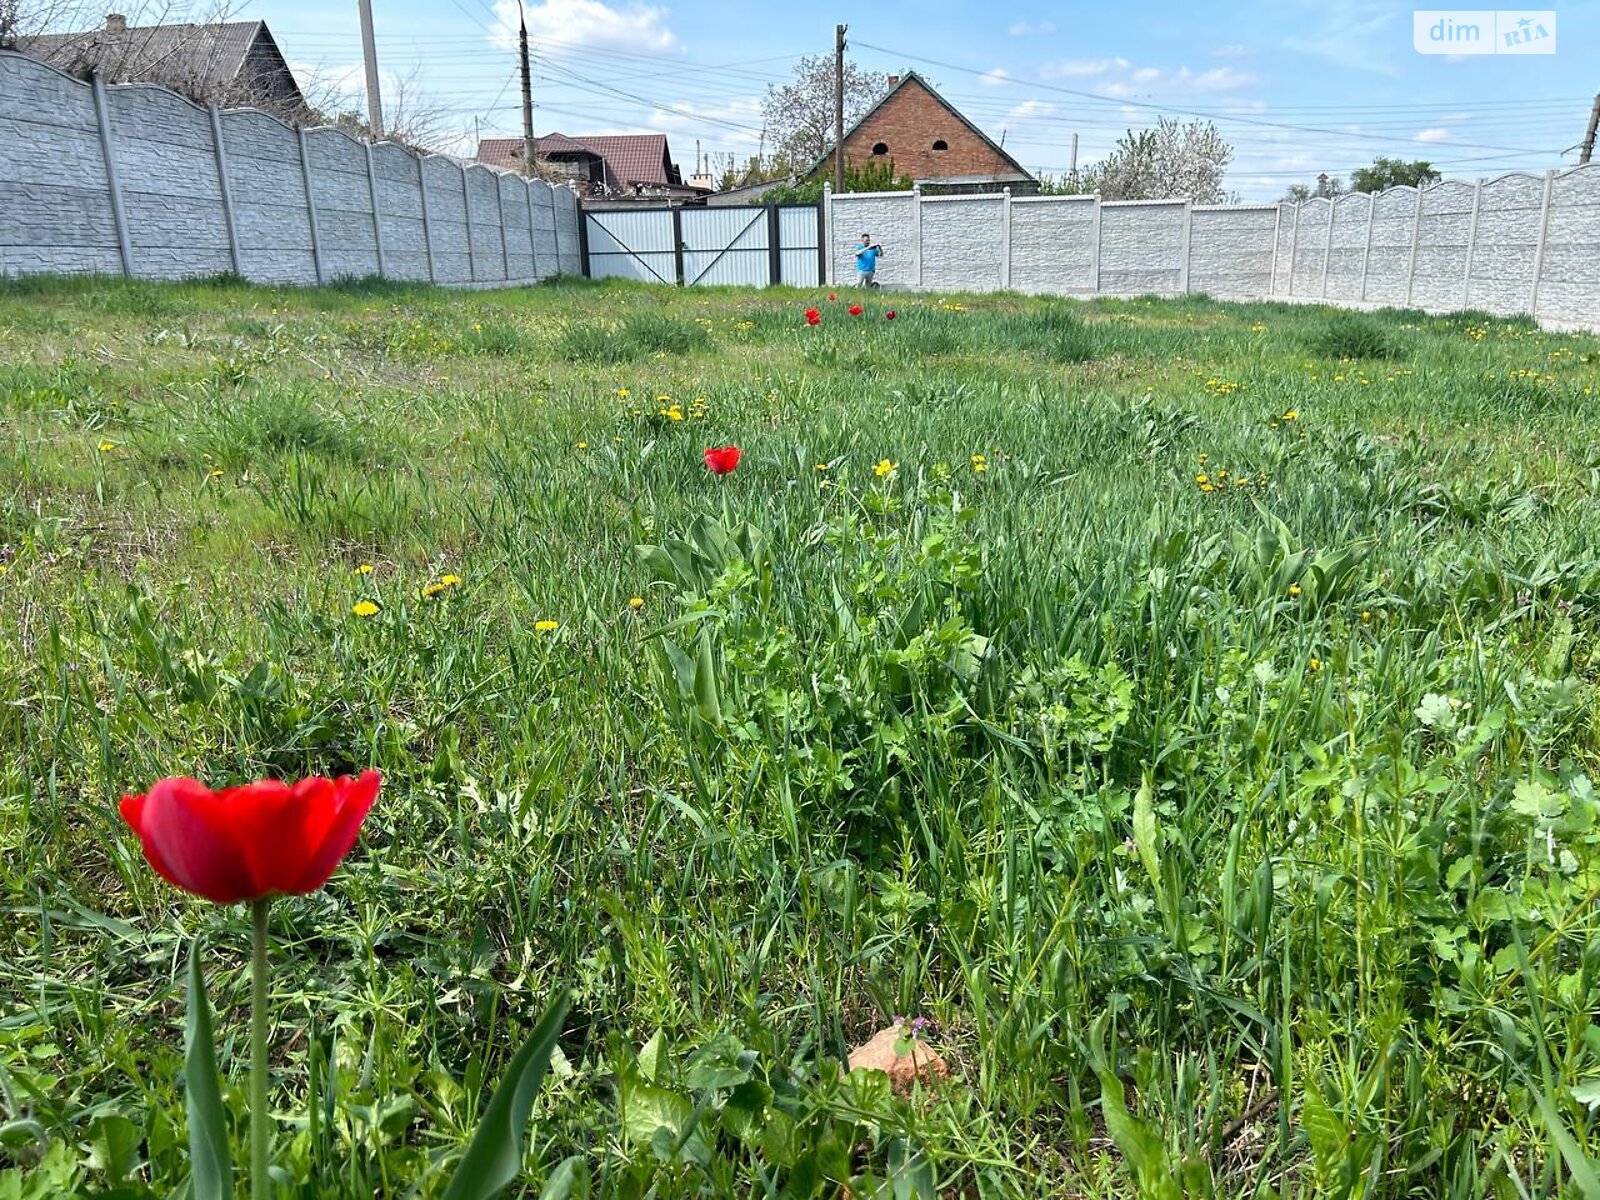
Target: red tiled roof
(629,157)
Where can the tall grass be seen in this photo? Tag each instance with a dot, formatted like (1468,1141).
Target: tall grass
(1190,707)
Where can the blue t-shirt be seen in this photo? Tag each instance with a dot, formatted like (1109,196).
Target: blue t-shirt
(867,259)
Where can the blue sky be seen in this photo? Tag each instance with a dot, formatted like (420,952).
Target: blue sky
(1298,87)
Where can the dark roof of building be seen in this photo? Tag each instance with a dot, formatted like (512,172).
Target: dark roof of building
(631,157)
(199,55)
(912,77)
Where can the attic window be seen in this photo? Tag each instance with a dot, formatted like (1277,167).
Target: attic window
(880,148)
(941,144)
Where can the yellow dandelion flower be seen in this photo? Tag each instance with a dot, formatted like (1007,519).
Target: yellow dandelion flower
(583,445)
(364,569)
(1294,413)
(1204,459)
(1366,615)
(822,466)
(216,473)
(884,468)
(365,608)
(622,393)
(449,581)
(1294,589)
(107,447)
(1202,478)
(1208,487)
(547,626)
(1315,664)
(432,590)
(636,603)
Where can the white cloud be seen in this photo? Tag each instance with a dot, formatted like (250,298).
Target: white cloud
(634,27)
(1032,28)
(998,77)
(1432,135)
(1147,74)
(1117,91)
(682,117)
(1081,68)
(1030,108)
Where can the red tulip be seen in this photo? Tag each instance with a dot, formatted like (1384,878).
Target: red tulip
(832,296)
(723,459)
(889,316)
(855,310)
(250,842)
(813,316)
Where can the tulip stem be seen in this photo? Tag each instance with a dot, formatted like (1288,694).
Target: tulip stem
(260,1114)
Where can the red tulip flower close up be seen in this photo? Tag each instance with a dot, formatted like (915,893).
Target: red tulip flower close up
(252,842)
(813,316)
(855,310)
(889,316)
(832,296)
(723,459)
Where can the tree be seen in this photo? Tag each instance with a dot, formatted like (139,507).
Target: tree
(1165,163)
(1393,172)
(876,175)
(409,116)
(1325,188)
(799,114)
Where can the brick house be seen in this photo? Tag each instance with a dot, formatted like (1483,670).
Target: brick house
(923,135)
(624,166)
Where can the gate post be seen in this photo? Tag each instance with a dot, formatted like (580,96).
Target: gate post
(774,247)
(677,241)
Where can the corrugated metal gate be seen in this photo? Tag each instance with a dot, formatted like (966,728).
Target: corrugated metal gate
(747,246)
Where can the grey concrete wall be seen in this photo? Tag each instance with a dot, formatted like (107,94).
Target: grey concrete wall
(1518,244)
(133,179)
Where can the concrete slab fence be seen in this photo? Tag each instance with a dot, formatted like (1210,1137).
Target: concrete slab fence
(133,179)
(1514,245)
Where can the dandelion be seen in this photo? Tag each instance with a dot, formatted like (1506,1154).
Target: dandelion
(1204,458)
(1294,413)
(622,393)
(364,569)
(547,626)
(1366,615)
(636,602)
(980,463)
(365,608)
(1294,589)
(432,590)
(216,473)
(107,447)
(1315,664)
(885,468)
(1202,479)
(1208,487)
(583,445)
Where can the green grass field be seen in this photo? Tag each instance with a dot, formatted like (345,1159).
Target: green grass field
(1190,708)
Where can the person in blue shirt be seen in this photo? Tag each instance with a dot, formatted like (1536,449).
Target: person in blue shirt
(867,260)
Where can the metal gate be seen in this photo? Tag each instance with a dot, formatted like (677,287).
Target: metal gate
(747,246)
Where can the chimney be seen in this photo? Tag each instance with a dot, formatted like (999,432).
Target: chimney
(893,79)
(116,23)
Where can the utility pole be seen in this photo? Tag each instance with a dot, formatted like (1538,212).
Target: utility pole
(527,93)
(838,107)
(370,52)
(1072,169)
(1587,151)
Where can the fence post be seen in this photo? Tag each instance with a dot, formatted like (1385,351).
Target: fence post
(677,243)
(119,217)
(916,236)
(1272,271)
(311,206)
(1538,251)
(581,221)
(1416,238)
(1327,250)
(774,247)
(224,189)
(1366,253)
(1183,249)
(555,230)
(1472,242)
(1005,237)
(533,236)
(466,213)
(1094,257)
(1294,245)
(377,220)
(825,242)
(427,225)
